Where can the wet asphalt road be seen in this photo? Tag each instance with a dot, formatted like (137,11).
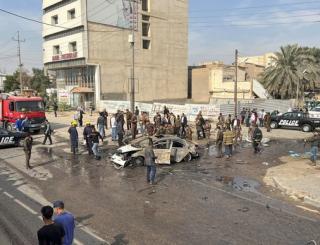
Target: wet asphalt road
(20,216)
(187,206)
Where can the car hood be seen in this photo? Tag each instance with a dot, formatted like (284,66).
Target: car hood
(128,148)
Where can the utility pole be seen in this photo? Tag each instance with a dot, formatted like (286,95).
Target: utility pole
(236,85)
(19,55)
(132,41)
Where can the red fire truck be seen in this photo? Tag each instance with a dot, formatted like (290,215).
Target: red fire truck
(14,107)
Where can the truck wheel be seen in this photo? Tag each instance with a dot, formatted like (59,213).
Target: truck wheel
(273,125)
(10,127)
(306,128)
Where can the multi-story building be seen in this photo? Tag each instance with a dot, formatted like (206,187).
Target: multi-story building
(87,49)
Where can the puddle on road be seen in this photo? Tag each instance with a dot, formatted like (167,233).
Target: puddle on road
(240,183)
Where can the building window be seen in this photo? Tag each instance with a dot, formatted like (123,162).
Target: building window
(145,29)
(73,47)
(145,5)
(56,50)
(71,14)
(145,17)
(54,20)
(146,44)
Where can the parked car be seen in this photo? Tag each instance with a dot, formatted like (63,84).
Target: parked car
(168,149)
(295,120)
(10,138)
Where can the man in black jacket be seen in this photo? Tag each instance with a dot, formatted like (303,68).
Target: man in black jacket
(86,136)
(95,136)
(47,132)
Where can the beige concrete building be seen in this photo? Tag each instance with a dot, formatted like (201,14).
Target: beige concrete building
(216,81)
(264,60)
(86,49)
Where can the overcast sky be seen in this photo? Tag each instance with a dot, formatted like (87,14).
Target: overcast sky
(216,28)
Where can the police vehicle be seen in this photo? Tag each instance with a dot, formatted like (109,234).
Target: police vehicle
(10,138)
(295,120)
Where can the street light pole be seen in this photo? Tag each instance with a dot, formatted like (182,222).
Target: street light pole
(236,85)
(132,41)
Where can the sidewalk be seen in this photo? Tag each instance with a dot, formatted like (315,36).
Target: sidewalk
(296,178)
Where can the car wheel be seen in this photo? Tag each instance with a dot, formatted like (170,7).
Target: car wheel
(306,128)
(187,158)
(273,125)
(138,161)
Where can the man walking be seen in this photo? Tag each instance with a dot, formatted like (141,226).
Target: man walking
(105,115)
(47,132)
(86,136)
(119,130)
(128,119)
(95,136)
(25,125)
(137,112)
(27,147)
(80,118)
(184,123)
(101,124)
(55,108)
(219,141)
(18,124)
(134,126)
(228,138)
(113,125)
(66,220)
(150,162)
(256,138)
(315,143)
(73,137)
(51,233)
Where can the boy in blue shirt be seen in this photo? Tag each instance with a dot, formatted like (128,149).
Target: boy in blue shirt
(66,220)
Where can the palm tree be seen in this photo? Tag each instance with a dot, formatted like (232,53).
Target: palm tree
(295,69)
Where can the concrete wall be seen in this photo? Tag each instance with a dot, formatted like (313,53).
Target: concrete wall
(200,85)
(161,72)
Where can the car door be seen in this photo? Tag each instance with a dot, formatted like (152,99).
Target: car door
(6,138)
(289,120)
(162,150)
(178,150)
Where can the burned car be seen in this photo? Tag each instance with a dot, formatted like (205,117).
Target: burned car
(168,149)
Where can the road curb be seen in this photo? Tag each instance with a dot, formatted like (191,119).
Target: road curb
(296,194)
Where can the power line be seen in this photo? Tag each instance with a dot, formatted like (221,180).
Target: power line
(292,11)
(275,18)
(258,24)
(257,7)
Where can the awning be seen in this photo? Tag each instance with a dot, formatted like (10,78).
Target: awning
(82,90)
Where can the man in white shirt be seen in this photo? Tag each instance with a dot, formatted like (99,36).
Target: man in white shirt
(113,124)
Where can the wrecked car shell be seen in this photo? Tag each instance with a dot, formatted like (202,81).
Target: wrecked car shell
(167,149)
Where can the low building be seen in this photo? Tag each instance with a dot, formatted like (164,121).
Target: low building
(216,81)
(87,50)
(264,60)
(2,79)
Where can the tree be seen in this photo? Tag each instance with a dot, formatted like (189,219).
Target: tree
(39,82)
(295,69)
(12,82)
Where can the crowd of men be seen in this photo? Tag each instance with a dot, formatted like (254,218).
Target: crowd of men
(229,130)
